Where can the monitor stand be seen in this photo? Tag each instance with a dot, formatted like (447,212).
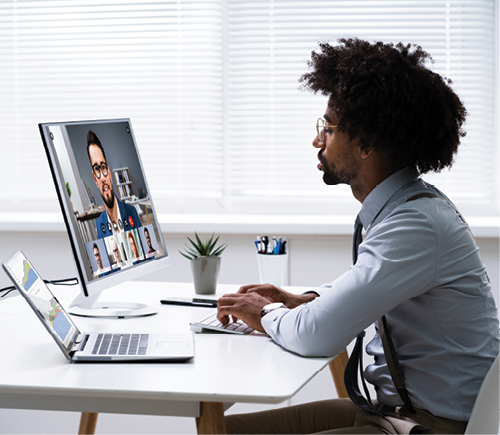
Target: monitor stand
(90,307)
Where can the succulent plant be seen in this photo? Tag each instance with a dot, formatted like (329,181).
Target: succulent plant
(207,248)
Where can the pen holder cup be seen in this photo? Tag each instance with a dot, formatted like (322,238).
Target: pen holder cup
(272,268)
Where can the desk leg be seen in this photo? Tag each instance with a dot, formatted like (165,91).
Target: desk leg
(211,419)
(337,367)
(88,423)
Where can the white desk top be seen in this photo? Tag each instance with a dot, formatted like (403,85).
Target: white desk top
(34,373)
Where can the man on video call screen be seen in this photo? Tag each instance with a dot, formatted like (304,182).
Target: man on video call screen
(118,216)
(104,155)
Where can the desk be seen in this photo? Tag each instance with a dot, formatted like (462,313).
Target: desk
(226,368)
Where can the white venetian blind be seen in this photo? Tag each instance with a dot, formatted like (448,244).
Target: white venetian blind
(272,122)
(157,62)
(211,87)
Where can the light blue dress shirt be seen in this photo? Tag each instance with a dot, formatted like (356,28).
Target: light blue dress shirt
(418,265)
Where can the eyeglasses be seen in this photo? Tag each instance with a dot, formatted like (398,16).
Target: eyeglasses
(98,169)
(321,124)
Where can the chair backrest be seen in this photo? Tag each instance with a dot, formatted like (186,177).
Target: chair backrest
(485,414)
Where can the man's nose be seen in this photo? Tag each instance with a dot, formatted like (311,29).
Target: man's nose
(318,143)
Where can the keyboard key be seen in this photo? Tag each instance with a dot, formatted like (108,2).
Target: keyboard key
(106,341)
(97,344)
(124,344)
(143,344)
(115,342)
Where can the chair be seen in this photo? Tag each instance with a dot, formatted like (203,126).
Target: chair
(485,414)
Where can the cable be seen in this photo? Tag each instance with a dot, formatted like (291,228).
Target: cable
(65,281)
(7,290)
(62,281)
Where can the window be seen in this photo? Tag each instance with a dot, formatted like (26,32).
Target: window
(211,87)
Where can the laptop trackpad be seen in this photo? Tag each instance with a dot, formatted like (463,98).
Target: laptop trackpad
(172,346)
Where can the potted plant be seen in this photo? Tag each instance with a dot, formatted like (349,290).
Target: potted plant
(205,262)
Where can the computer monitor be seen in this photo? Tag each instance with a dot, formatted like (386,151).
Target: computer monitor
(108,210)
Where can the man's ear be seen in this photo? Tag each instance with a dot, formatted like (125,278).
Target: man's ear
(365,151)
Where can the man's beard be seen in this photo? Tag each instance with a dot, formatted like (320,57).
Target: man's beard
(333,176)
(110,202)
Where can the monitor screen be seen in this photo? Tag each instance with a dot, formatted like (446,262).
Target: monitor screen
(105,199)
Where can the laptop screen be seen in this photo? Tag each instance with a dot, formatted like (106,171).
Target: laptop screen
(41,299)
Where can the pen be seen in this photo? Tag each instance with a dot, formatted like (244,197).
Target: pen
(265,249)
(279,248)
(257,244)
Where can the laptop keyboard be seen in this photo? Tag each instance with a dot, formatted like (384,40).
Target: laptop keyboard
(211,322)
(121,344)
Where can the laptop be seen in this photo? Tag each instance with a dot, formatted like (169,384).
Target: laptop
(100,347)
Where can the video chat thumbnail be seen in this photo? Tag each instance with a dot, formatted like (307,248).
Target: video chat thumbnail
(121,250)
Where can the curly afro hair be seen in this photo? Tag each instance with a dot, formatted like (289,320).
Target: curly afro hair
(385,96)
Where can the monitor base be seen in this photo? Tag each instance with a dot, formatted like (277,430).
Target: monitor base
(90,307)
(120,310)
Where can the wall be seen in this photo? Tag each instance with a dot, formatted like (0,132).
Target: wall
(313,260)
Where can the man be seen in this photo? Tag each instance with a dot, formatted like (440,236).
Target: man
(116,252)
(118,216)
(98,259)
(151,250)
(388,120)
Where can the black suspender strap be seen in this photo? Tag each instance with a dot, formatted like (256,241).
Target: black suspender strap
(393,363)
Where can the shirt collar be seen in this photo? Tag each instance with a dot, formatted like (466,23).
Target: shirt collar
(382,193)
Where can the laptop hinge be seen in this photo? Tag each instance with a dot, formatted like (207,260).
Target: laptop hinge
(80,342)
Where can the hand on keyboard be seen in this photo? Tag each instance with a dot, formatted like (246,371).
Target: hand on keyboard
(211,322)
(244,306)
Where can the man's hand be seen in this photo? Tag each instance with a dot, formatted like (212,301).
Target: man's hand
(247,304)
(276,294)
(244,306)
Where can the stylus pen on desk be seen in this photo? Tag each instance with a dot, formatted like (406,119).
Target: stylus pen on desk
(191,303)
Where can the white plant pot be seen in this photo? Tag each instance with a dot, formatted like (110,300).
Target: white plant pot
(205,274)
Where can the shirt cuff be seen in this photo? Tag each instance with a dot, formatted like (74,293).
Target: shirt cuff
(268,322)
(311,292)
